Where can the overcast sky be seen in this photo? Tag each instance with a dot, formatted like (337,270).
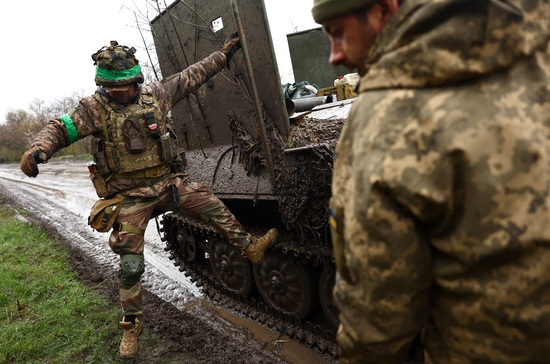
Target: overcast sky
(47,44)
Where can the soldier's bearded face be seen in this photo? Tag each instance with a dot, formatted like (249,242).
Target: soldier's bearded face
(351,41)
(353,35)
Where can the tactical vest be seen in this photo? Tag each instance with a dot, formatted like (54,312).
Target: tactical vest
(138,140)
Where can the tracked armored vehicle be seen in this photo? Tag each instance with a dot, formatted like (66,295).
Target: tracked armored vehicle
(270,171)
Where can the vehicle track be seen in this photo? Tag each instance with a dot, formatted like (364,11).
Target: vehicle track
(313,333)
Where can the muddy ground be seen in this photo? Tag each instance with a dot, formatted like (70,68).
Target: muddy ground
(183,337)
(190,328)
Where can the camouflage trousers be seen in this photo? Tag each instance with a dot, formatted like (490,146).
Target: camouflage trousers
(196,200)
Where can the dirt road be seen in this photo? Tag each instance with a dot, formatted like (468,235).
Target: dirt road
(194,331)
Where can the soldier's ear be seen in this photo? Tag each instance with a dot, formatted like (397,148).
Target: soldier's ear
(380,13)
(387,8)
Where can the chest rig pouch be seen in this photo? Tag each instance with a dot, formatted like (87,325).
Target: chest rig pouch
(138,138)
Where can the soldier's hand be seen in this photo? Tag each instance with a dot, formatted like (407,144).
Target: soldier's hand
(30,161)
(232,45)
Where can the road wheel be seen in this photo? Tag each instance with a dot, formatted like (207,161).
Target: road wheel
(285,284)
(232,270)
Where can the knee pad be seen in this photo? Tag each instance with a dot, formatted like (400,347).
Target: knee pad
(132,267)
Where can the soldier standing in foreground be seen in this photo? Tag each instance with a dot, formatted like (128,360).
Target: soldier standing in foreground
(137,170)
(441,187)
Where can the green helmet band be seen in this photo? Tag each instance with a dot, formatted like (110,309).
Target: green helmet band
(118,75)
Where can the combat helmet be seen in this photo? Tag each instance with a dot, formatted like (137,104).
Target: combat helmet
(116,66)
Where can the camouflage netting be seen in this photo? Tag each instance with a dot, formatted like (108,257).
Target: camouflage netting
(251,154)
(312,131)
(304,189)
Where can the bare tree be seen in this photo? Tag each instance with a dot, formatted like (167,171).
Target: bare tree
(16,133)
(21,126)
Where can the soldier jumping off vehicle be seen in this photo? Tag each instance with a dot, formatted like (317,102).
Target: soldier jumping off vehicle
(137,166)
(441,187)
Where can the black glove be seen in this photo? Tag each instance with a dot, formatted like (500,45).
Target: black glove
(30,161)
(232,45)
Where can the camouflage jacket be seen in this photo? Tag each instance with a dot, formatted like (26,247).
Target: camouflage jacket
(87,120)
(441,188)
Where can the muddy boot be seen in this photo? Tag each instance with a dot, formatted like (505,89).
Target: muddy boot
(129,343)
(255,251)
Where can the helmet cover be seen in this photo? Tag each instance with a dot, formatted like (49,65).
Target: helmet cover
(116,66)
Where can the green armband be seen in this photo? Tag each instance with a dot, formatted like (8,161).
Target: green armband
(71,128)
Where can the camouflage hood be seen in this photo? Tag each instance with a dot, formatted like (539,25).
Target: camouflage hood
(433,43)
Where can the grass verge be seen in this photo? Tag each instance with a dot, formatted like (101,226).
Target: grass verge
(46,314)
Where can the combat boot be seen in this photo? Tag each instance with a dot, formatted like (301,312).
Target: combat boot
(257,247)
(129,343)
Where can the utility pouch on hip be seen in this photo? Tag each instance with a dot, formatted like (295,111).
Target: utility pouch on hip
(99,182)
(100,156)
(133,137)
(104,213)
